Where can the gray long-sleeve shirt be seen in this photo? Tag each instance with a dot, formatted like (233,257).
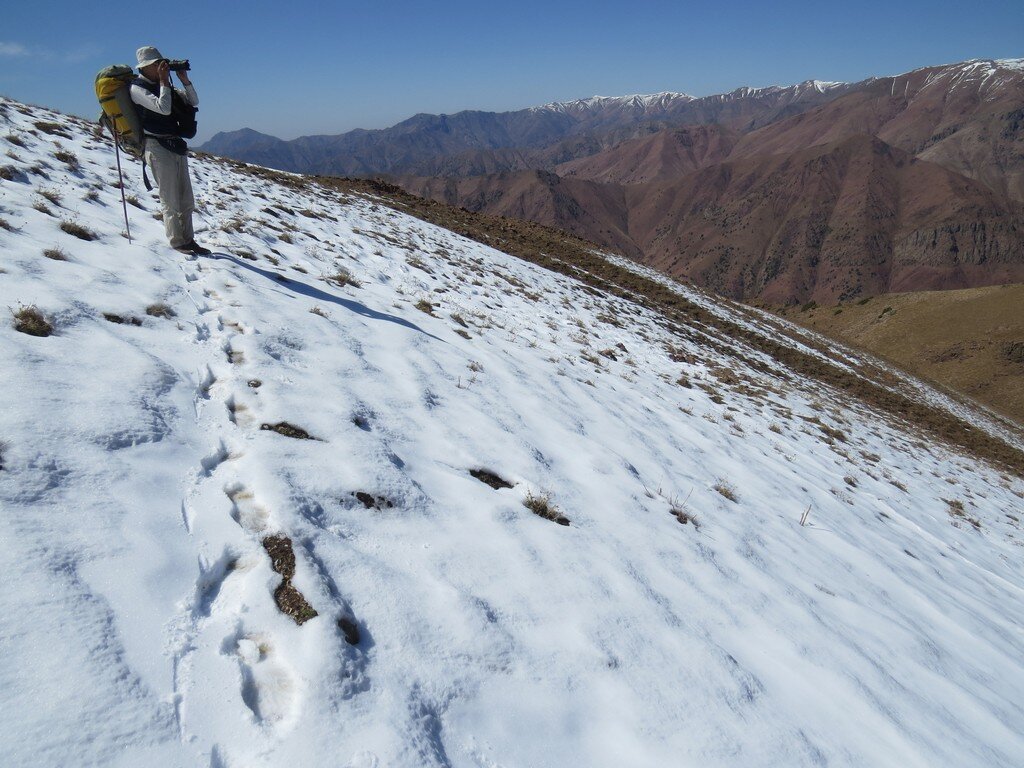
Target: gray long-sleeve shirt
(162,104)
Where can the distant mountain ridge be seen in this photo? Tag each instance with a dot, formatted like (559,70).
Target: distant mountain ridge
(542,136)
(821,190)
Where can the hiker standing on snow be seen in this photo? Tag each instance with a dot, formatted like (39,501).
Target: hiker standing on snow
(166,150)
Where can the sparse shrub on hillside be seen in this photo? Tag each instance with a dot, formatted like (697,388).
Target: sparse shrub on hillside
(160,309)
(52,129)
(56,254)
(726,489)
(284,237)
(318,311)
(77,230)
(68,158)
(542,506)
(10,173)
(809,306)
(50,194)
(955,509)
(42,207)
(342,278)
(31,321)
(6,225)
(15,139)
(133,200)
(424,305)
(92,196)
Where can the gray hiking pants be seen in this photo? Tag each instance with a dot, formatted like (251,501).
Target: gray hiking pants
(171,174)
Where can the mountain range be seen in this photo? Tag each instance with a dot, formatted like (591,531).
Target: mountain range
(818,191)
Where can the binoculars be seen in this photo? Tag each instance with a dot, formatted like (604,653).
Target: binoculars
(179,65)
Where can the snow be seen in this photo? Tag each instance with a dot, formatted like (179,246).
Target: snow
(138,622)
(641,102)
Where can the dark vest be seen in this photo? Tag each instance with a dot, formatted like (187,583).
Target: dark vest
(154,123)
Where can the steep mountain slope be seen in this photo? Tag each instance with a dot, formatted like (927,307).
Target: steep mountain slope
(318,418)
(828,223)
(966,117)
(663,155)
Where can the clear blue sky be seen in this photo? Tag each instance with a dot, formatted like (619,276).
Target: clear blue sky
(292,68)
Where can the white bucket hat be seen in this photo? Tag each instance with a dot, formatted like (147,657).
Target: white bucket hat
(147,55)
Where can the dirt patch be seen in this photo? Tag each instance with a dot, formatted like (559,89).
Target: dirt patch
(1013,351)
(489,478)
(160,310)
(288,430)
(370,501)
(289,600)
(110,317)
(350,629)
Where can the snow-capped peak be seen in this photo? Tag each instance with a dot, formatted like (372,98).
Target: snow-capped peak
(636,101)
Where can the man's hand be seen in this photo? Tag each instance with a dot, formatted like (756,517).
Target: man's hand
(183,76)
(163,73)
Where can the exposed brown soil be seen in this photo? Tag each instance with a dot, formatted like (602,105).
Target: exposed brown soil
(110,317)
(289,600)
(489,478)
(288,430)
(370,501)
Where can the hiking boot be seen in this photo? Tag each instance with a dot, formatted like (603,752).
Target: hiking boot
(193,249)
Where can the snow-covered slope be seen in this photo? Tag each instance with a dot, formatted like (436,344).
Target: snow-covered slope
(684,617)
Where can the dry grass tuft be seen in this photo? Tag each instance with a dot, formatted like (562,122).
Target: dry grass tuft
(726,489)
(542,506)
(77,230)
(56,254)
(70,159)
(160,309)
(31,321)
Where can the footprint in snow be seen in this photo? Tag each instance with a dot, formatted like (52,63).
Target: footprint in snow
(269,688)
(246,511)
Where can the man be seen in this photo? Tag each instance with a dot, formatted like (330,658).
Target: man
(166,151)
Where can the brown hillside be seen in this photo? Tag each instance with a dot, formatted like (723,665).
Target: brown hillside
(967,118)
(829,223)
(826,223)
(969,340)
(664,155)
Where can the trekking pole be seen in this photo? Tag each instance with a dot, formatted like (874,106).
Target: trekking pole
(120,178)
